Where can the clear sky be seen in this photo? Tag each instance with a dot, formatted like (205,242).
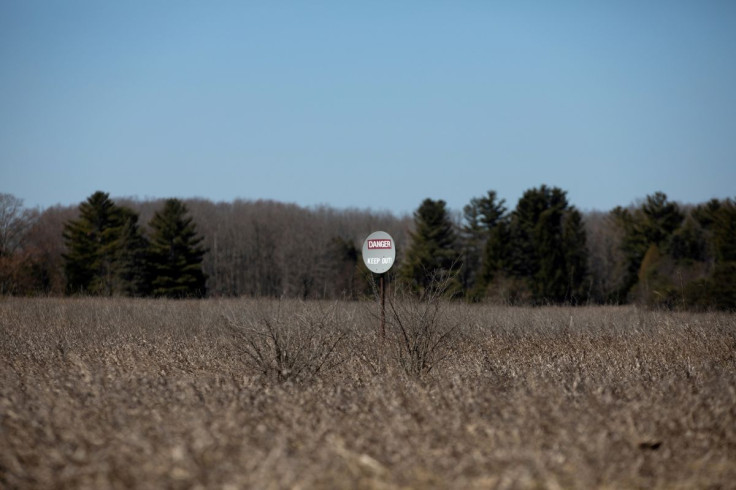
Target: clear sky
(367,104)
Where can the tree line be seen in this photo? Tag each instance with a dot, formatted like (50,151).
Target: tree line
(107,254)
(534,254)
(543,251)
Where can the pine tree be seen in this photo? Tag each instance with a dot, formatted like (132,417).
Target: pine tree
(175,253)
(132,258)
(104,248)
(542,244)
(472,237)
(724,231)
(717,220)
(661,218)
(653,224)
(433,251)
(481,217)
(496,256)
(576,255)
(548,280)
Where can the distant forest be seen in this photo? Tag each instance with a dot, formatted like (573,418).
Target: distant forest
(541,251)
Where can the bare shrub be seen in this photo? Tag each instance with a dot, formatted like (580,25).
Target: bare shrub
(421,329)
(289,345)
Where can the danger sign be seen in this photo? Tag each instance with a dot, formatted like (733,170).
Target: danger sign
(379,252)
(376,244)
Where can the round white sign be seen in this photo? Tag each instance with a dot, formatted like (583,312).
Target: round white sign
(379,252)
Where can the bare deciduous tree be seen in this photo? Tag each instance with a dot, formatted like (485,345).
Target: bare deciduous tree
(15,221)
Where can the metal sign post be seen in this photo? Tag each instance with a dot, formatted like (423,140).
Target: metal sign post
(379,254)
(383,309)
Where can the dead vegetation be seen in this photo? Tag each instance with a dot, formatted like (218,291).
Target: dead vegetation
(257,394)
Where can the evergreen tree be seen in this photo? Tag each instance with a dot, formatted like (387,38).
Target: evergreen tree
(688,242)
(132,258)
(472,237)
(496,255)
(649,227)
(548,281)
(634,246)
(491,210)
(433,250)
(718,222)
(576,255)
(104,248)
(724,231)
(175,253)
(542,244)
(481,217)
(661,218)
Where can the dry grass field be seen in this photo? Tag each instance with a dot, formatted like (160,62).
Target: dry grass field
(263,394)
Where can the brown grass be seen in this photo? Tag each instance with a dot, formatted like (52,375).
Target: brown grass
(164,394)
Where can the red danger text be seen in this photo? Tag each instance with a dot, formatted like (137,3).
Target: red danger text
(373,244)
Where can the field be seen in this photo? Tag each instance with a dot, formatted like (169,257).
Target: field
(265,394)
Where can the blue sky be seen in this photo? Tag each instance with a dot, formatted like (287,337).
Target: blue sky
(367,104)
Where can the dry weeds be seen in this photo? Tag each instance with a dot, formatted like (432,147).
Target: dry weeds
(165,394)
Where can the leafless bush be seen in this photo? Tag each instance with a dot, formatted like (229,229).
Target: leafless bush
(421,329)
(285,345)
